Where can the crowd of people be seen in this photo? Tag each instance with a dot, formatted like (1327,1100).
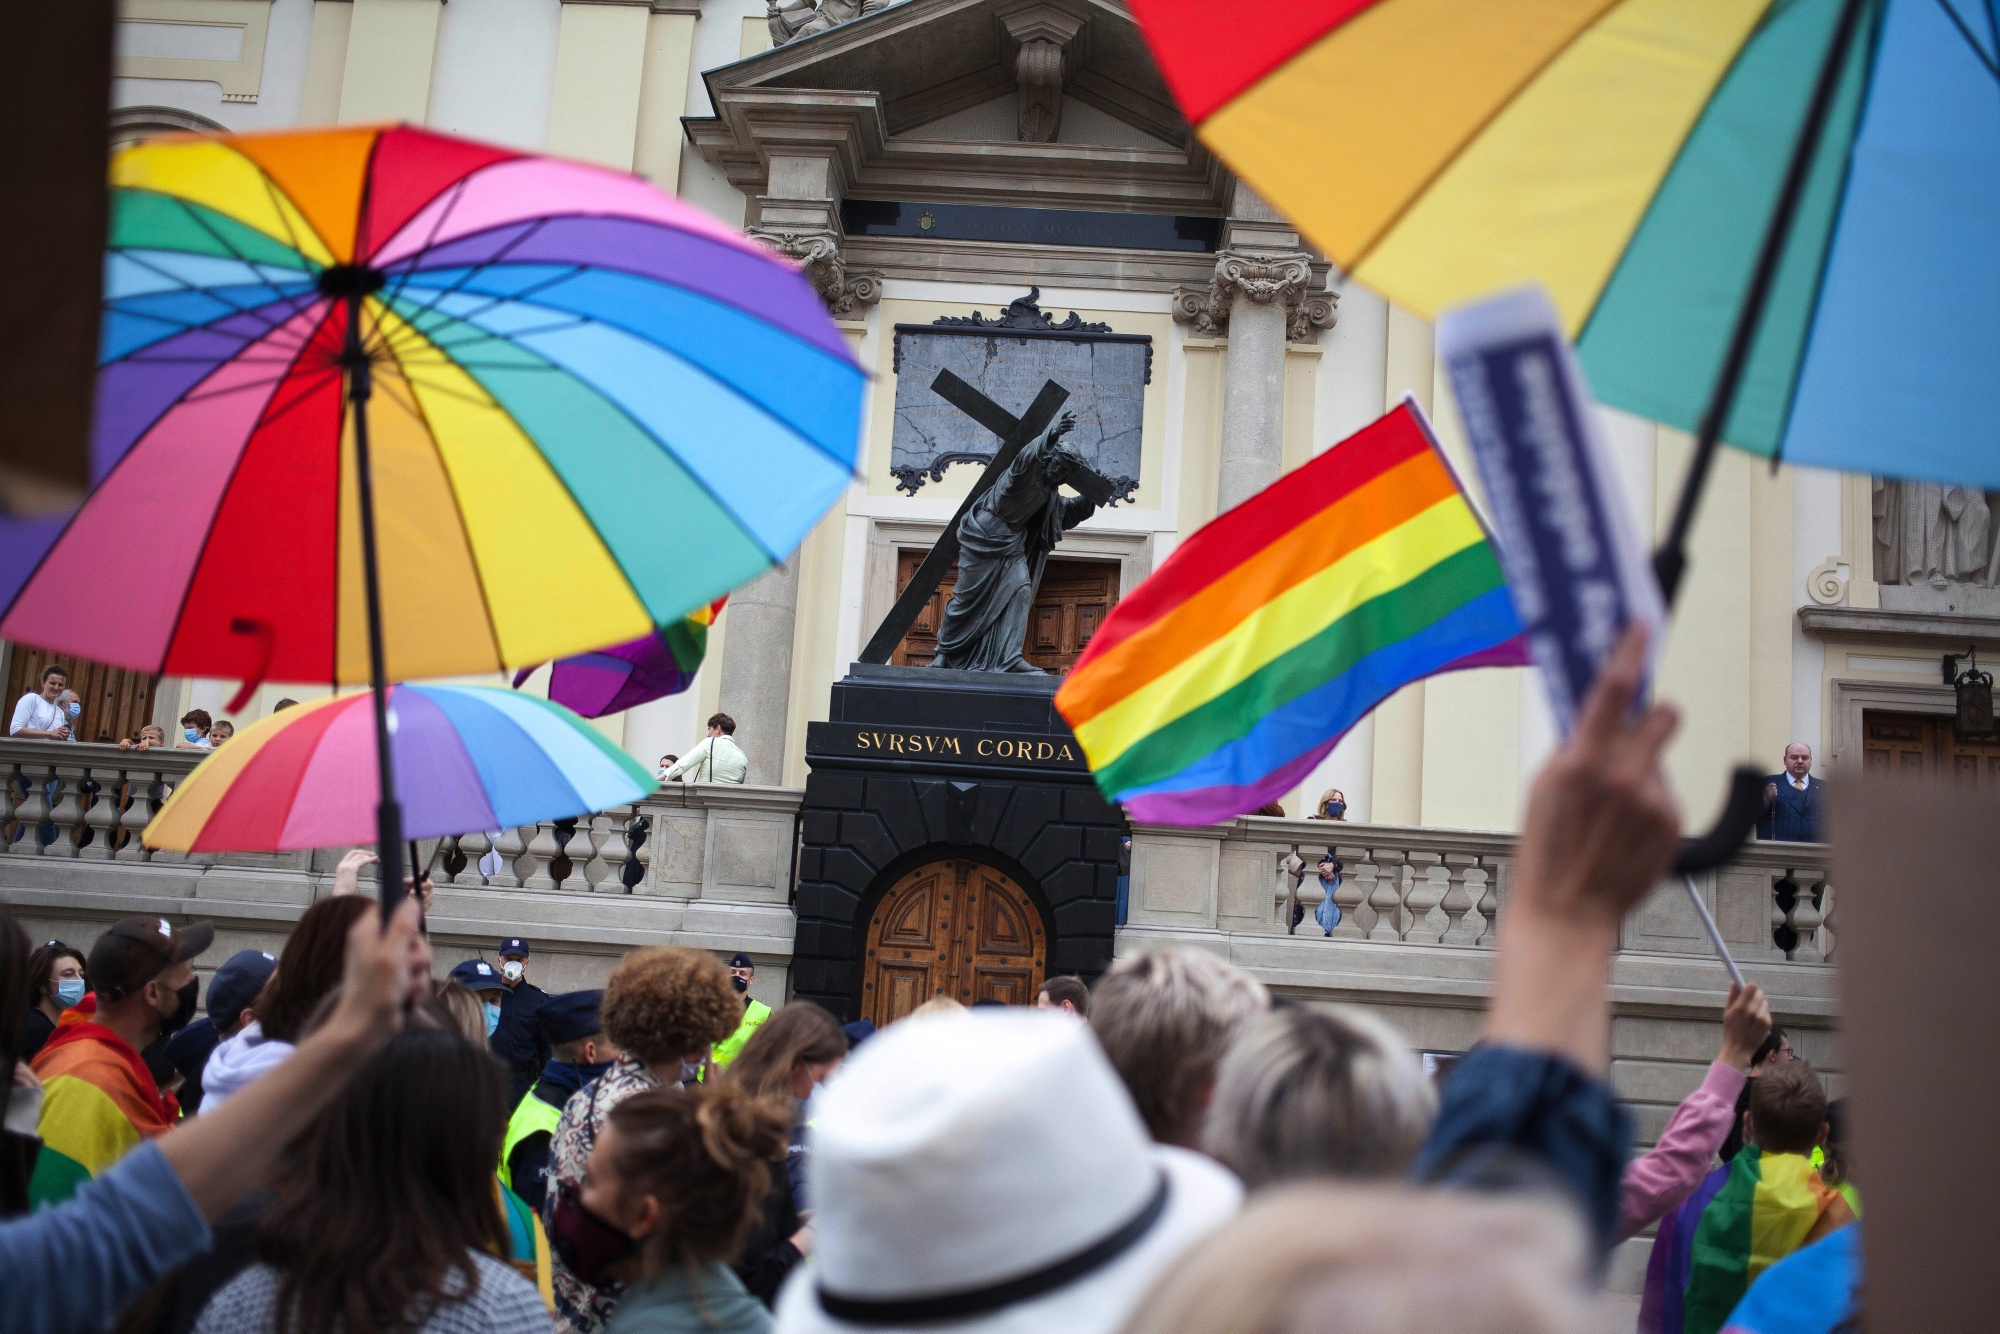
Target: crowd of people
(346,1144)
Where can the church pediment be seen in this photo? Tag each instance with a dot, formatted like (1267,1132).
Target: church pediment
(967,101)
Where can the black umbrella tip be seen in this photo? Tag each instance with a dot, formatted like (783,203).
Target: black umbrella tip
(345,280)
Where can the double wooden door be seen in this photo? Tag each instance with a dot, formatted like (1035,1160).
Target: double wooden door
(1072,600)
(116,702)
(1927,744)
(953,928)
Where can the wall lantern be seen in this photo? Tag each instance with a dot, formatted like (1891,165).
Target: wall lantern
(1974,719)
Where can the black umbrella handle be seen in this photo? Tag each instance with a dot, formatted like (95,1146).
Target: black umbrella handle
(1732,829)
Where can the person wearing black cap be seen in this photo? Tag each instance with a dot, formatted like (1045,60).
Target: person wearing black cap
(231,992)
(742,973)
(100,1101)
(518,1041)
(580,1053)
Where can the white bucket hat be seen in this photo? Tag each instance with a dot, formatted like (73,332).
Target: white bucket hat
(988,1172)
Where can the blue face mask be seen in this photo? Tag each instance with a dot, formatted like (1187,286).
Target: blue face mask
(1335,809)
(492,1016)
(69,991)
(193,733)
(73,708)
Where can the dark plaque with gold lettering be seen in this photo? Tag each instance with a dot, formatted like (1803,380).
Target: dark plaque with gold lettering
(944,746)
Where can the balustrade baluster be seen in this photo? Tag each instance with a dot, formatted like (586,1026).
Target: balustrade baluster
(1387,897)
(1777,913)
(1805,919)
(1828,934)
(102,817)
(1461,901)
(542,850)
(615,854)
(1357,882)
(578,849)
(512,848)
(475,846)
(67,816)
(602,832)
(10,801)
(1430,881)
(33,812)
(643,854)
(1489,902)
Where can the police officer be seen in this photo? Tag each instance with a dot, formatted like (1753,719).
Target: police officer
(482,979)
(518,1040)
(741,974)
(575,1033)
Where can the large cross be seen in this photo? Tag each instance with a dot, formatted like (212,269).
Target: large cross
(1015,433)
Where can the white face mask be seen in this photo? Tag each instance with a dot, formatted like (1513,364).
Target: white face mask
(512,970)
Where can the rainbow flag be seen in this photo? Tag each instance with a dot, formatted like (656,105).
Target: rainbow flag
(1761,1214)
(1223,679)
(98,1102)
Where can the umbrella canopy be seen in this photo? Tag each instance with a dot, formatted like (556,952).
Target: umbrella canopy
(636,672)
(1628,155)
(590,409)
(466,757)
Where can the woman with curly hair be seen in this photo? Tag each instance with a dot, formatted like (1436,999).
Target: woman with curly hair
(670,1195)
(664,1008)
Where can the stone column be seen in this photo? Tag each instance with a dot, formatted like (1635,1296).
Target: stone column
(757,667)
(1267,290)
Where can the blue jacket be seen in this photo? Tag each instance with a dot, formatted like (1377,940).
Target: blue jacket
(1794,816)
(518,1040)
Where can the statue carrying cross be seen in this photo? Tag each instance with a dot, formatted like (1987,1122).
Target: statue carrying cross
(1001,536)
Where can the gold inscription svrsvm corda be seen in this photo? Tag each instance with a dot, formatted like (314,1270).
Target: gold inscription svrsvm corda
(944,745)
(908,743)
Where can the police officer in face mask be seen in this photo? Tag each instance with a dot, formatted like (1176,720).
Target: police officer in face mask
(742,972)
(518,1039)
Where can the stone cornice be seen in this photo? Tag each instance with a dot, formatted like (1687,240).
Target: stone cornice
(1881,626)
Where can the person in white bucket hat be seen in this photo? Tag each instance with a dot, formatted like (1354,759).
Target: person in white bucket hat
(987,1172)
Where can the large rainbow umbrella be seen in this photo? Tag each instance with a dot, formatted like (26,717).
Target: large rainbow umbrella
(1771,222)
(467,758)
(376,403)
(635,672)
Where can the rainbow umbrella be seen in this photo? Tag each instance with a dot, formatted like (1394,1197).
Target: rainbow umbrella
(636,672)
(467,758)
(1770,222)
(376,403)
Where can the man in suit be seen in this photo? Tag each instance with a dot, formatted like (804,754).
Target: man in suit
(1791,800)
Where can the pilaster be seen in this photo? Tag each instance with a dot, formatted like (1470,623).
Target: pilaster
(391,45)
(600,67)
(757,667)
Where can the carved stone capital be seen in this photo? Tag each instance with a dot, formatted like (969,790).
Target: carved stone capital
(817,252)
(1285,280)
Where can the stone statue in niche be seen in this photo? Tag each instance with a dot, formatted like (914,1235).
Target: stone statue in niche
(1933,536)
(1004,540)
(803,18)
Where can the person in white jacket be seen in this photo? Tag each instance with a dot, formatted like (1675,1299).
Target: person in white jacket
(718,759)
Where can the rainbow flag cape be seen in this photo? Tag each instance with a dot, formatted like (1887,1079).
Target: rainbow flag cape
(1762,1212)
(1223,679)
(98,1102)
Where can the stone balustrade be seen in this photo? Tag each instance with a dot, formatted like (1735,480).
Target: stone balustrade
(708,865)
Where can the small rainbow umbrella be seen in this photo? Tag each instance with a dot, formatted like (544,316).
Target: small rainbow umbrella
(375,403)
(636,672)
(467,758)
(1775,223)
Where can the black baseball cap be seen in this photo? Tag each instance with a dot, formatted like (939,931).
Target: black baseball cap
(236,984)
(133,952)
(571,1016)
(513,945)
(740,960)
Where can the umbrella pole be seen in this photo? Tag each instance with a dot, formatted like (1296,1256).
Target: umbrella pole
(1670,561)
(389,814)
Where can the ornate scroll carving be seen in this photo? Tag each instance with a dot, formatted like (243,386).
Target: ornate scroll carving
(1038,70)
(817,252)
(1265,279)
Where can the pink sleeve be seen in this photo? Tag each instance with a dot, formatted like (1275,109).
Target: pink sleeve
(1669,1173)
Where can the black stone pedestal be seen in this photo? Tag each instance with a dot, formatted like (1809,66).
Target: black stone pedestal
(917,764)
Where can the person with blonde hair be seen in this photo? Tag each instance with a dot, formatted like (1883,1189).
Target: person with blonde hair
(1318,1093)
(1165,1018)
(1378,1260)
(664,1008)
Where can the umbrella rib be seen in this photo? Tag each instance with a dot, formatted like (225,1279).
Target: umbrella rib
(1965,31)
(569,271)
(410,268)
(187,207)
(186,286)
(278,201)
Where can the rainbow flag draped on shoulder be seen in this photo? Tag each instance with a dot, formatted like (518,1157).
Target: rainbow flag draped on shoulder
(98,1102)
(1223,679)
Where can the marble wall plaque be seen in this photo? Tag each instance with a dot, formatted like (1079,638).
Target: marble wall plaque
(1007,359)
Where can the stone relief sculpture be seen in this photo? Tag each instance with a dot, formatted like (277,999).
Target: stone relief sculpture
(1928,535)
(1004,541)
(803,18)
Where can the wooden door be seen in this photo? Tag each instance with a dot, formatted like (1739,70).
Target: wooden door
(953,928)
(1072,600)
(116,702)
(1927,744)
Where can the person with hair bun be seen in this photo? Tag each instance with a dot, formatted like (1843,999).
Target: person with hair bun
(664,1008)
(667,1201)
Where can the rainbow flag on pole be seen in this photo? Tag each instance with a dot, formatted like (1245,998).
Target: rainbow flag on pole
(1223,679)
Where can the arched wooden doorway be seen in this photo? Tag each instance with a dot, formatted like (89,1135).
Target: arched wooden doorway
(951,928)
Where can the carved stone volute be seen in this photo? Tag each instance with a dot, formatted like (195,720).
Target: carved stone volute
(1284,279)
(817,252)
